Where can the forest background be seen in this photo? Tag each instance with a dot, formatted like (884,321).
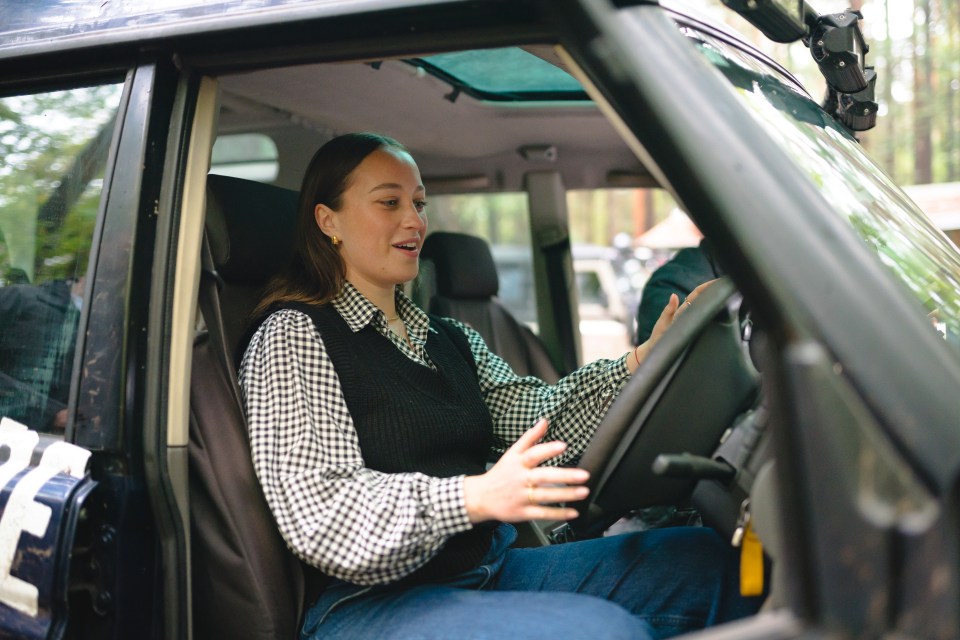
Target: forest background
(915,49)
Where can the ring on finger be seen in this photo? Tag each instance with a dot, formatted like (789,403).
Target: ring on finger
(530,495)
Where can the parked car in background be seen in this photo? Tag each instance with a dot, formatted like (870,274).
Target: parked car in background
(810,398)
(605,302)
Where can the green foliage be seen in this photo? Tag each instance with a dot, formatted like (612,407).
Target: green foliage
(50,181)
(501,217)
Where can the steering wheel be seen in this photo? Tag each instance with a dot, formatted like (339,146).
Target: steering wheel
(690,388)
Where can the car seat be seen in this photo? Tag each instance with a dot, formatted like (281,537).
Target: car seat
(464,287)
(254,226)
(246,582)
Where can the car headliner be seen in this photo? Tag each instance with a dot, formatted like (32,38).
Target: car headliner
(450,138)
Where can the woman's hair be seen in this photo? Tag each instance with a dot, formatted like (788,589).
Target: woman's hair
(316,273)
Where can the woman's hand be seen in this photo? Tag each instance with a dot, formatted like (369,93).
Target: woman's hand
(669,314)
(517,489)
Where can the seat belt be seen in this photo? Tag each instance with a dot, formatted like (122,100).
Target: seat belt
(209,299)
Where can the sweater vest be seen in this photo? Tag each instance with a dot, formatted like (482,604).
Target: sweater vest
(410,418)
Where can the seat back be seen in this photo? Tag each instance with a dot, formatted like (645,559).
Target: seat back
(252,227)
(246,582)
(465,287)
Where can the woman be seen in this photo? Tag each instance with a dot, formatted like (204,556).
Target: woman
(371,425)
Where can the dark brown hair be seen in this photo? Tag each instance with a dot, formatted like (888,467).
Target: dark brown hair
(316,273)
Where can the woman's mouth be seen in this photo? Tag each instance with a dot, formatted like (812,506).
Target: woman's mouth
(410,247)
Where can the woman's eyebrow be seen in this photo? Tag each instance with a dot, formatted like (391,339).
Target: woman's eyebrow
(393,185)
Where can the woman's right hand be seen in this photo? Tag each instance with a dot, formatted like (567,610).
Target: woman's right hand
(517,489)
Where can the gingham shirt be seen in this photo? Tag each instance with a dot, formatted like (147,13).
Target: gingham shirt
(351,522)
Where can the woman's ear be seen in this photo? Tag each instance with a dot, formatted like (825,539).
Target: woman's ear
(325,219)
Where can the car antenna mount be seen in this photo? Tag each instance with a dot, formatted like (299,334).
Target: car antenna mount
(837,45)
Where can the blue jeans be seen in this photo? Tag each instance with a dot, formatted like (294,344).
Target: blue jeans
(649,584)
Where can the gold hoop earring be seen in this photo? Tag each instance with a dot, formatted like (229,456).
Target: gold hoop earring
(334,240)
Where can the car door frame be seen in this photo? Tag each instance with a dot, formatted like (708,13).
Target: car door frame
(110,409)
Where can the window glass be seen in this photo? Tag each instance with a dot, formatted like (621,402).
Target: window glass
(55,147)
(619,237)
(251,156)
(905,240)
(613,254)
(509,73)
(503,220)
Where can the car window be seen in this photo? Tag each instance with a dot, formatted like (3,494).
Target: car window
(252,156)
(613,259)
(55,147)
(591,289)
(606,228)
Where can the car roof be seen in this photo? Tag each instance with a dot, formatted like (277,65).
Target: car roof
(42,26)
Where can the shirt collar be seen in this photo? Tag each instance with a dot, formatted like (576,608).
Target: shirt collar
(357,311)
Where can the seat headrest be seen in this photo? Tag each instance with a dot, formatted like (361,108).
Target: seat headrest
(463,265)
(250,227)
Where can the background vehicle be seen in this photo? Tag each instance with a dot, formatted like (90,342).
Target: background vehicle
(605,321)
(848,449)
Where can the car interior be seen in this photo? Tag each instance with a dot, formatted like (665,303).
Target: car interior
(530,128)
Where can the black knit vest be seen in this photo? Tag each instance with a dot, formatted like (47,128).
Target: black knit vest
(410,418)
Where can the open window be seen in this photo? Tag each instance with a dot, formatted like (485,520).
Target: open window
(55,146)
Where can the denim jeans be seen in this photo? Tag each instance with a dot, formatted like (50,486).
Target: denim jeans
(649,584)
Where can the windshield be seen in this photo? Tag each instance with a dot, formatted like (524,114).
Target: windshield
(906,241)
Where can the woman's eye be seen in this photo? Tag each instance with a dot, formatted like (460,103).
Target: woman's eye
(420,205)
(390,202)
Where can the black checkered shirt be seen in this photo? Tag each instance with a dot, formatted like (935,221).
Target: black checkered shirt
(361,525)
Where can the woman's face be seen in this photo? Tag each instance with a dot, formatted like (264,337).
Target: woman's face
(381,223)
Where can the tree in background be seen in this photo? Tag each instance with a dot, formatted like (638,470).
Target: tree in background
(54,146)
(915,47)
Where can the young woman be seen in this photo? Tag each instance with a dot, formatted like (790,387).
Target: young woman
(371,424)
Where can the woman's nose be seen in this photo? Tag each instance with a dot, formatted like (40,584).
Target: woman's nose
(414,219)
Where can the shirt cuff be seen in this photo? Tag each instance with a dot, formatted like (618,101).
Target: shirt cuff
(617,373)
(449,505)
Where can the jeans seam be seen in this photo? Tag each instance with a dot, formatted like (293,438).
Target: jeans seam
(672,619)
(339,602)
(483,583)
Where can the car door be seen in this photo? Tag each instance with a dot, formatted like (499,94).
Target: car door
(85,140)
(59,145)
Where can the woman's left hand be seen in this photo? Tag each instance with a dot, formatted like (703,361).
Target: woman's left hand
(518,489)
(667,317)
